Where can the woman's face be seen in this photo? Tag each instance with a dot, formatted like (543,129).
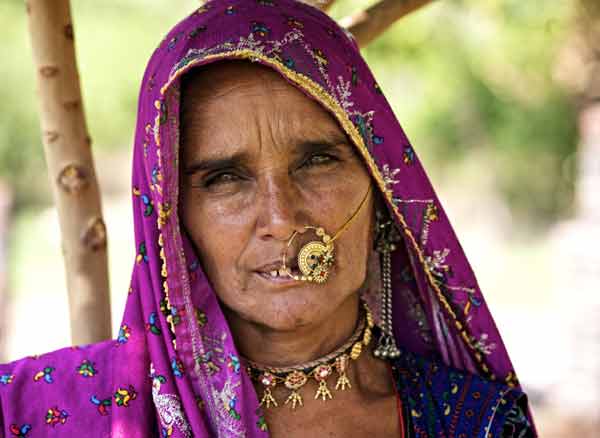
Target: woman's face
(261,160)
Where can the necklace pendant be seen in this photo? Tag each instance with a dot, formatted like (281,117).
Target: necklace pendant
(343,382)
(320,374)
(268,399)
(323,392)
(294,398)
(294,381)
(341,366)
(269,381)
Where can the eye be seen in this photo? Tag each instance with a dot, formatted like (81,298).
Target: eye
(220,178)
(319,160)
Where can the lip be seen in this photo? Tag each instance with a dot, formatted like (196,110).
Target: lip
(276,265)
(264,273)
(280,281)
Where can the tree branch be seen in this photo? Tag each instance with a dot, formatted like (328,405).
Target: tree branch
(368,25)
(325,5)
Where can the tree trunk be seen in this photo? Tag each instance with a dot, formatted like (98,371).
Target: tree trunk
(67,147)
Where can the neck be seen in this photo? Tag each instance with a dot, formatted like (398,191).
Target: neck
(284,348)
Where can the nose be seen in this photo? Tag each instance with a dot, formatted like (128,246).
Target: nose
(279,209)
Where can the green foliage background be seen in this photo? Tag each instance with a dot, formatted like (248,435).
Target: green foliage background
(471,81)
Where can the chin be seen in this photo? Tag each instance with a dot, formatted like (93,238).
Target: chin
(293,309)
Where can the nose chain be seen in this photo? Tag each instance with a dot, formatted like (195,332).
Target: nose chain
(315,258)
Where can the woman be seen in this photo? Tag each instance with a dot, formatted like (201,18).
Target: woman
(295,273)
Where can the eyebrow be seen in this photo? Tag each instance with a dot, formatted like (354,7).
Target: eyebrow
(320,145)
(302,148)
(232,161)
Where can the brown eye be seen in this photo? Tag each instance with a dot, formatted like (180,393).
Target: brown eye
(319,159)
(221,178)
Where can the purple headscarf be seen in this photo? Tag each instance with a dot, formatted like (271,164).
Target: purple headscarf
(174,369)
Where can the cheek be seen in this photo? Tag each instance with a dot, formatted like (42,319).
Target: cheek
(354,248)
(217,237)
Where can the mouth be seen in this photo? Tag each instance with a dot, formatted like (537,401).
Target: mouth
(275,273)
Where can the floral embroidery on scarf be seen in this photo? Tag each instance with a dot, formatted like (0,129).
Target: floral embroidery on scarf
(148,207)
(416,313)
(469,297)
(102,405)
(177,367)
(436,264)
(44,375)
(259,29)
(364,123)
(482,344)
(293,22)
(169,408)
(20,432)
(354,79)
(234,363)
(201,317)
(147,131)
(173,42)
(142,253)
(156,178)
(262,424)
(408,156)
(428,215)
(147,204)
(6,379)
(196,31)
(152,324)
(214,355)
(56,416)
(225,401)
(123,396)
(164,211)
(174,316)
(124,334)
(87,369)
(389,177)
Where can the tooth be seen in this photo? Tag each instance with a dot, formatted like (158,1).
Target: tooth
(273,273)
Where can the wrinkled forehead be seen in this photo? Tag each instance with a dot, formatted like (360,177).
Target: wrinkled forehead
(240,102)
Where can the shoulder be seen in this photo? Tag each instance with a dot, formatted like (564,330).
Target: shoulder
(56,363)
(440,399)
(43,392)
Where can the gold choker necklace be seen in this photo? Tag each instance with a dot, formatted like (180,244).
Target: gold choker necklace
(295,377)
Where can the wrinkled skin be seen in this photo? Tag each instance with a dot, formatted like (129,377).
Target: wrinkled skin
(261,160)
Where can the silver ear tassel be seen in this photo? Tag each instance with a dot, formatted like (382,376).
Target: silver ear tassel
(385,244)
